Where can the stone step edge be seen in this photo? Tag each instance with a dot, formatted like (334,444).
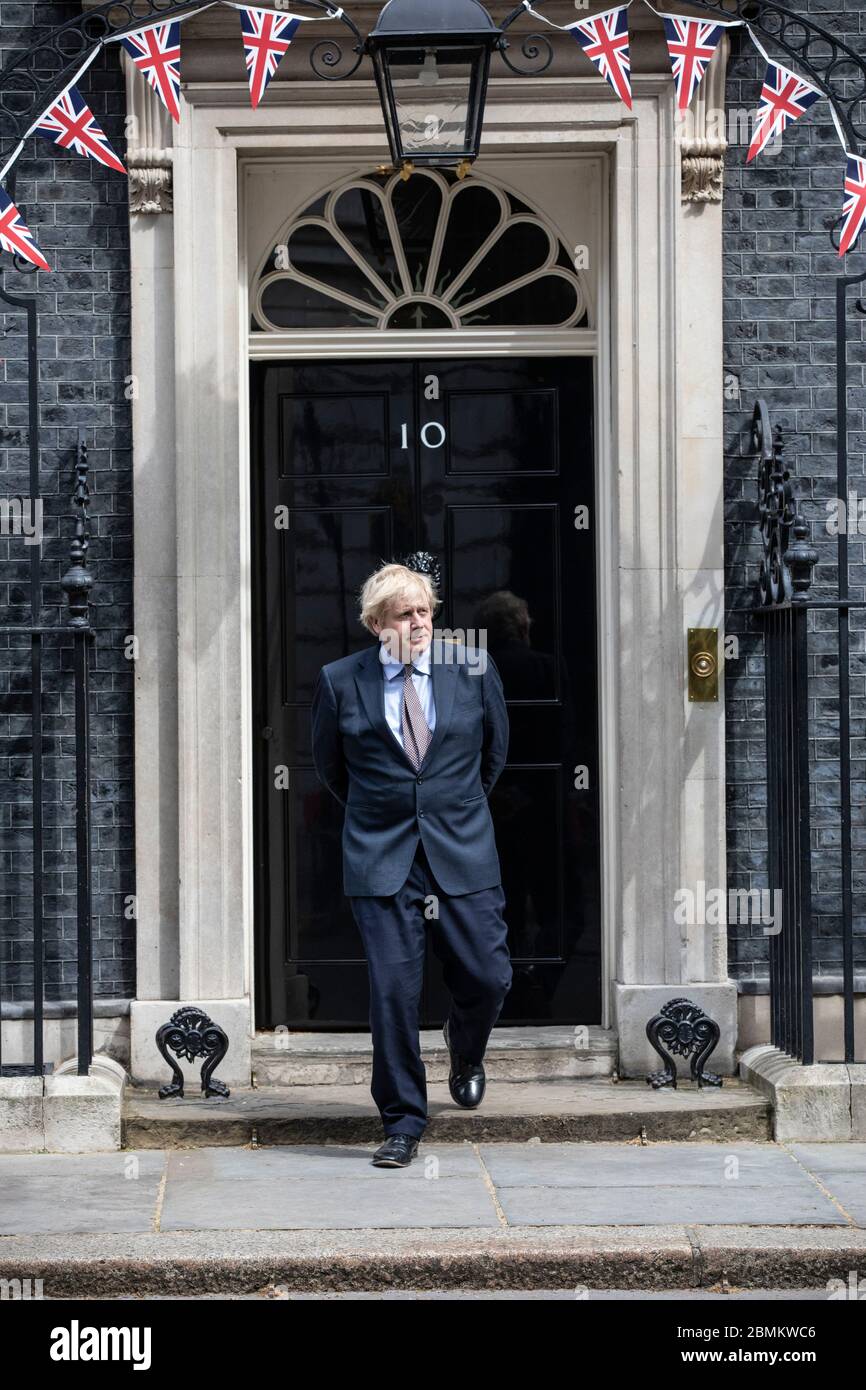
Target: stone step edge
(304,1045)
(643,1257)
(551,1087)
(752,1124)
(302,1074)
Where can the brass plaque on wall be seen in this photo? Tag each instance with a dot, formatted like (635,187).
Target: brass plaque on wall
(703,663)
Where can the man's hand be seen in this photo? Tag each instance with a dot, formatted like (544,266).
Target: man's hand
(327,743)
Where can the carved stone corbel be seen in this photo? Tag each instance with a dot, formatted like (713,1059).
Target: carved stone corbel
(149,147)
(701,134)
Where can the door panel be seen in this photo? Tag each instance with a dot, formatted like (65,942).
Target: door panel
(500,497)
(484,464)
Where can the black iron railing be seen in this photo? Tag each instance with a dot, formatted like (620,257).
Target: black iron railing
(29,649)
(783,611)
(788,828)
(783,585)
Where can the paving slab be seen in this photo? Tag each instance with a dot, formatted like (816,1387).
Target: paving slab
(659,1205)
(842,1169)
(296,1162)
(831,1158)
(612,1165)
(334,1187)
(228,1189)
(79,1192)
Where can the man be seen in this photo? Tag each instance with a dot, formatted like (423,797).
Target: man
(410,736)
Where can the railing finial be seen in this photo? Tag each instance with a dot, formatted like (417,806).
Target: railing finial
(788,558)
(78,580)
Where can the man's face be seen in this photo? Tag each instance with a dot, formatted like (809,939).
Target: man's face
(407,627)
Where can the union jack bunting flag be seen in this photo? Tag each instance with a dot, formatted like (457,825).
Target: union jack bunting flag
(854,207)
(155,52)
(604,39)
(691,45)
(71,123)
(266,37)
(784,97)
(15,236)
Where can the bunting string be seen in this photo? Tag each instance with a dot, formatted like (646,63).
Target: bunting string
(266,35)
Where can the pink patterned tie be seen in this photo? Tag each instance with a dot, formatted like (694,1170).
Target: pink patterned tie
(416,730)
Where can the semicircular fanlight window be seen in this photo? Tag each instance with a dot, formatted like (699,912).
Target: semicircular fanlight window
(423,253)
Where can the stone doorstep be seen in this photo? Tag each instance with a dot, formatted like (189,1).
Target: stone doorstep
(632,1257)
(284,1058)
(775,1098)
(554,1111)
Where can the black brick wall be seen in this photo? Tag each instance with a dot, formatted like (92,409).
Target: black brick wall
(78,212)
(780,275)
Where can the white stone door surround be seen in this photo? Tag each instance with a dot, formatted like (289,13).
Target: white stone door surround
(659,520)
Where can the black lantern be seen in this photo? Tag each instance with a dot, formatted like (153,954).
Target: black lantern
(432,59)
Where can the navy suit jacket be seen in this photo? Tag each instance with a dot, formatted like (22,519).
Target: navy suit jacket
(388,806)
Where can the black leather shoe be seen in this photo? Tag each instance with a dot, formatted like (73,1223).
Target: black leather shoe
(466,1080)
(397,1151)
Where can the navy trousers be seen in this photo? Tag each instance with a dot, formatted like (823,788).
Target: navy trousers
(469,936)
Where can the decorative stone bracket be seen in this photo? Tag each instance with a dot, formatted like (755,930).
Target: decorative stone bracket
(701,134)
(149,146)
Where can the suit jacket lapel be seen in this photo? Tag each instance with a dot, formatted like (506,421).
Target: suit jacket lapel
(369,678)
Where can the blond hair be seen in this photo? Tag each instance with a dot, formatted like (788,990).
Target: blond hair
(389,583)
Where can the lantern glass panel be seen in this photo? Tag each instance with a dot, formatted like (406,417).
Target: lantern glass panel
(434,98)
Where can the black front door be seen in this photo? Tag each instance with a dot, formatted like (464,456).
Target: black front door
(489,464)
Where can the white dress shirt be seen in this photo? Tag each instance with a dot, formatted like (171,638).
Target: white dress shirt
(392,670)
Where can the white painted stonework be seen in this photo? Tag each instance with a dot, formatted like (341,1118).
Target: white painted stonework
(606,177)
(63,1112)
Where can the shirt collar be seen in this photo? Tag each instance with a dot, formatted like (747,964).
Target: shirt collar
(393,665)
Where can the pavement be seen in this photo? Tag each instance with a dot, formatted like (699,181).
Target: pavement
(531,1215)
